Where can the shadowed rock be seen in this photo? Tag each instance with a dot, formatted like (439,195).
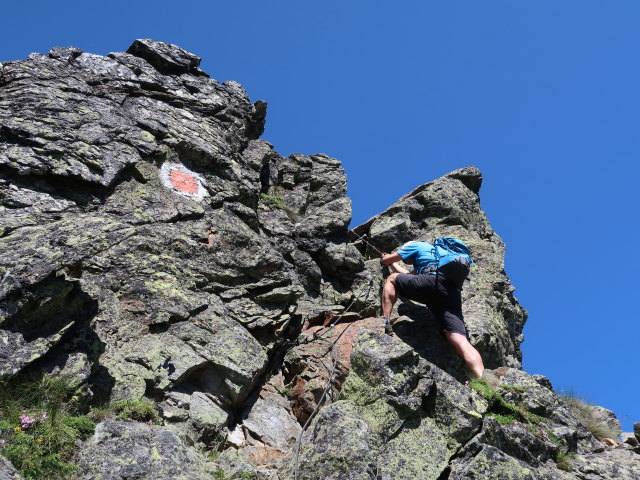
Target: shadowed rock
(166,58)
(151,245)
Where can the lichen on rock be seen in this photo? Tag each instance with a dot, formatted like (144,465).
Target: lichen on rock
(153,246)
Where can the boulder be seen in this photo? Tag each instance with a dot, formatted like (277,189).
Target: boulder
(609,465)
(120,450)
(166,58)
(8,471)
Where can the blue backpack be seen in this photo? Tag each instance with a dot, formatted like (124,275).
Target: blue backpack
(454,259)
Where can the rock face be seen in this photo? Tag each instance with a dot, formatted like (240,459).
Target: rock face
(450,207)
(151,245)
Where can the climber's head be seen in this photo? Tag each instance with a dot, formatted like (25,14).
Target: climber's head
(408,261)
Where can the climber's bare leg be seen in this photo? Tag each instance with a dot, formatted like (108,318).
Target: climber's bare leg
(467,351)
(389,295)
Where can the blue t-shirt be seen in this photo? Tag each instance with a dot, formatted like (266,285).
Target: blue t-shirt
(422,254)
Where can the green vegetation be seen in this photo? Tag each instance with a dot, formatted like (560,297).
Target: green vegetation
(136,410)
(272,201)
(219,474)
(587,415)
(503,419)
(38,430)
(40,425)
(285,391)
(563,461)
(513,388)
(276,201)
(505,412)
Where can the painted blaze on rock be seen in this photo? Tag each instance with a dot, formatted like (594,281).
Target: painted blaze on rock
(183,181)
(180,179)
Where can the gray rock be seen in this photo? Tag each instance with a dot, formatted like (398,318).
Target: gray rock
(336,447)
(120,450)
(151,245)
(532,448)
(8,471)
(520,388)
(629,438)
(487,463)
(166,58)
(542,380)
(612,464)
(609,419)
(409,407)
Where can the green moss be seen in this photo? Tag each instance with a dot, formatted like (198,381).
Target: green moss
(502,419)
(137,410)
(499,406)
(513,388)
(272,201)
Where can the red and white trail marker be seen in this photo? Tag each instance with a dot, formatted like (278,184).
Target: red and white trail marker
(183,181)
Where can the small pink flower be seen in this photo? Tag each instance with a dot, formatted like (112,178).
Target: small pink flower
(26,420)
(150,422)
(1,442)
(44,416)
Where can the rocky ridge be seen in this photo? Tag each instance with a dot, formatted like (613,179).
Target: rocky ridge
(151,245)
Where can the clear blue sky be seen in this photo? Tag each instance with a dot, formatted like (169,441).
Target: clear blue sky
(543,96)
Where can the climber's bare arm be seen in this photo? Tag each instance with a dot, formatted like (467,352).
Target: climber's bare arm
(390,258)
(397,268)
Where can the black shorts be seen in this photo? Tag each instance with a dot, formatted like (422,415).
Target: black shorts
(442,297)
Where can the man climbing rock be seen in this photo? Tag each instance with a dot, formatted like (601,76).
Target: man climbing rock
(439,288)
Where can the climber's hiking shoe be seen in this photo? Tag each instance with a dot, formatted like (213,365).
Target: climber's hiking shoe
(388,329)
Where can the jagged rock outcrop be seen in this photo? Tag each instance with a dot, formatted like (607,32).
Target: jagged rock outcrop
(137,254)
(401,417)
(450,206)
(152,245)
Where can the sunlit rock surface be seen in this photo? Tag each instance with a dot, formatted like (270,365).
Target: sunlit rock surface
(151,245)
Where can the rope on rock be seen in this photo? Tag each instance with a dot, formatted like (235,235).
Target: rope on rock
(366,241)
(335,361)
(331,374)
(313,414)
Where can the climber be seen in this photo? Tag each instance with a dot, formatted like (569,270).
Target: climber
(442,296)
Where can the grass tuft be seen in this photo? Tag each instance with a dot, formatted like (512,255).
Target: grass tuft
(497,403)
(136,410)
(39,429)
(588,416)
(272,201)
(503,419)
(564,461)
